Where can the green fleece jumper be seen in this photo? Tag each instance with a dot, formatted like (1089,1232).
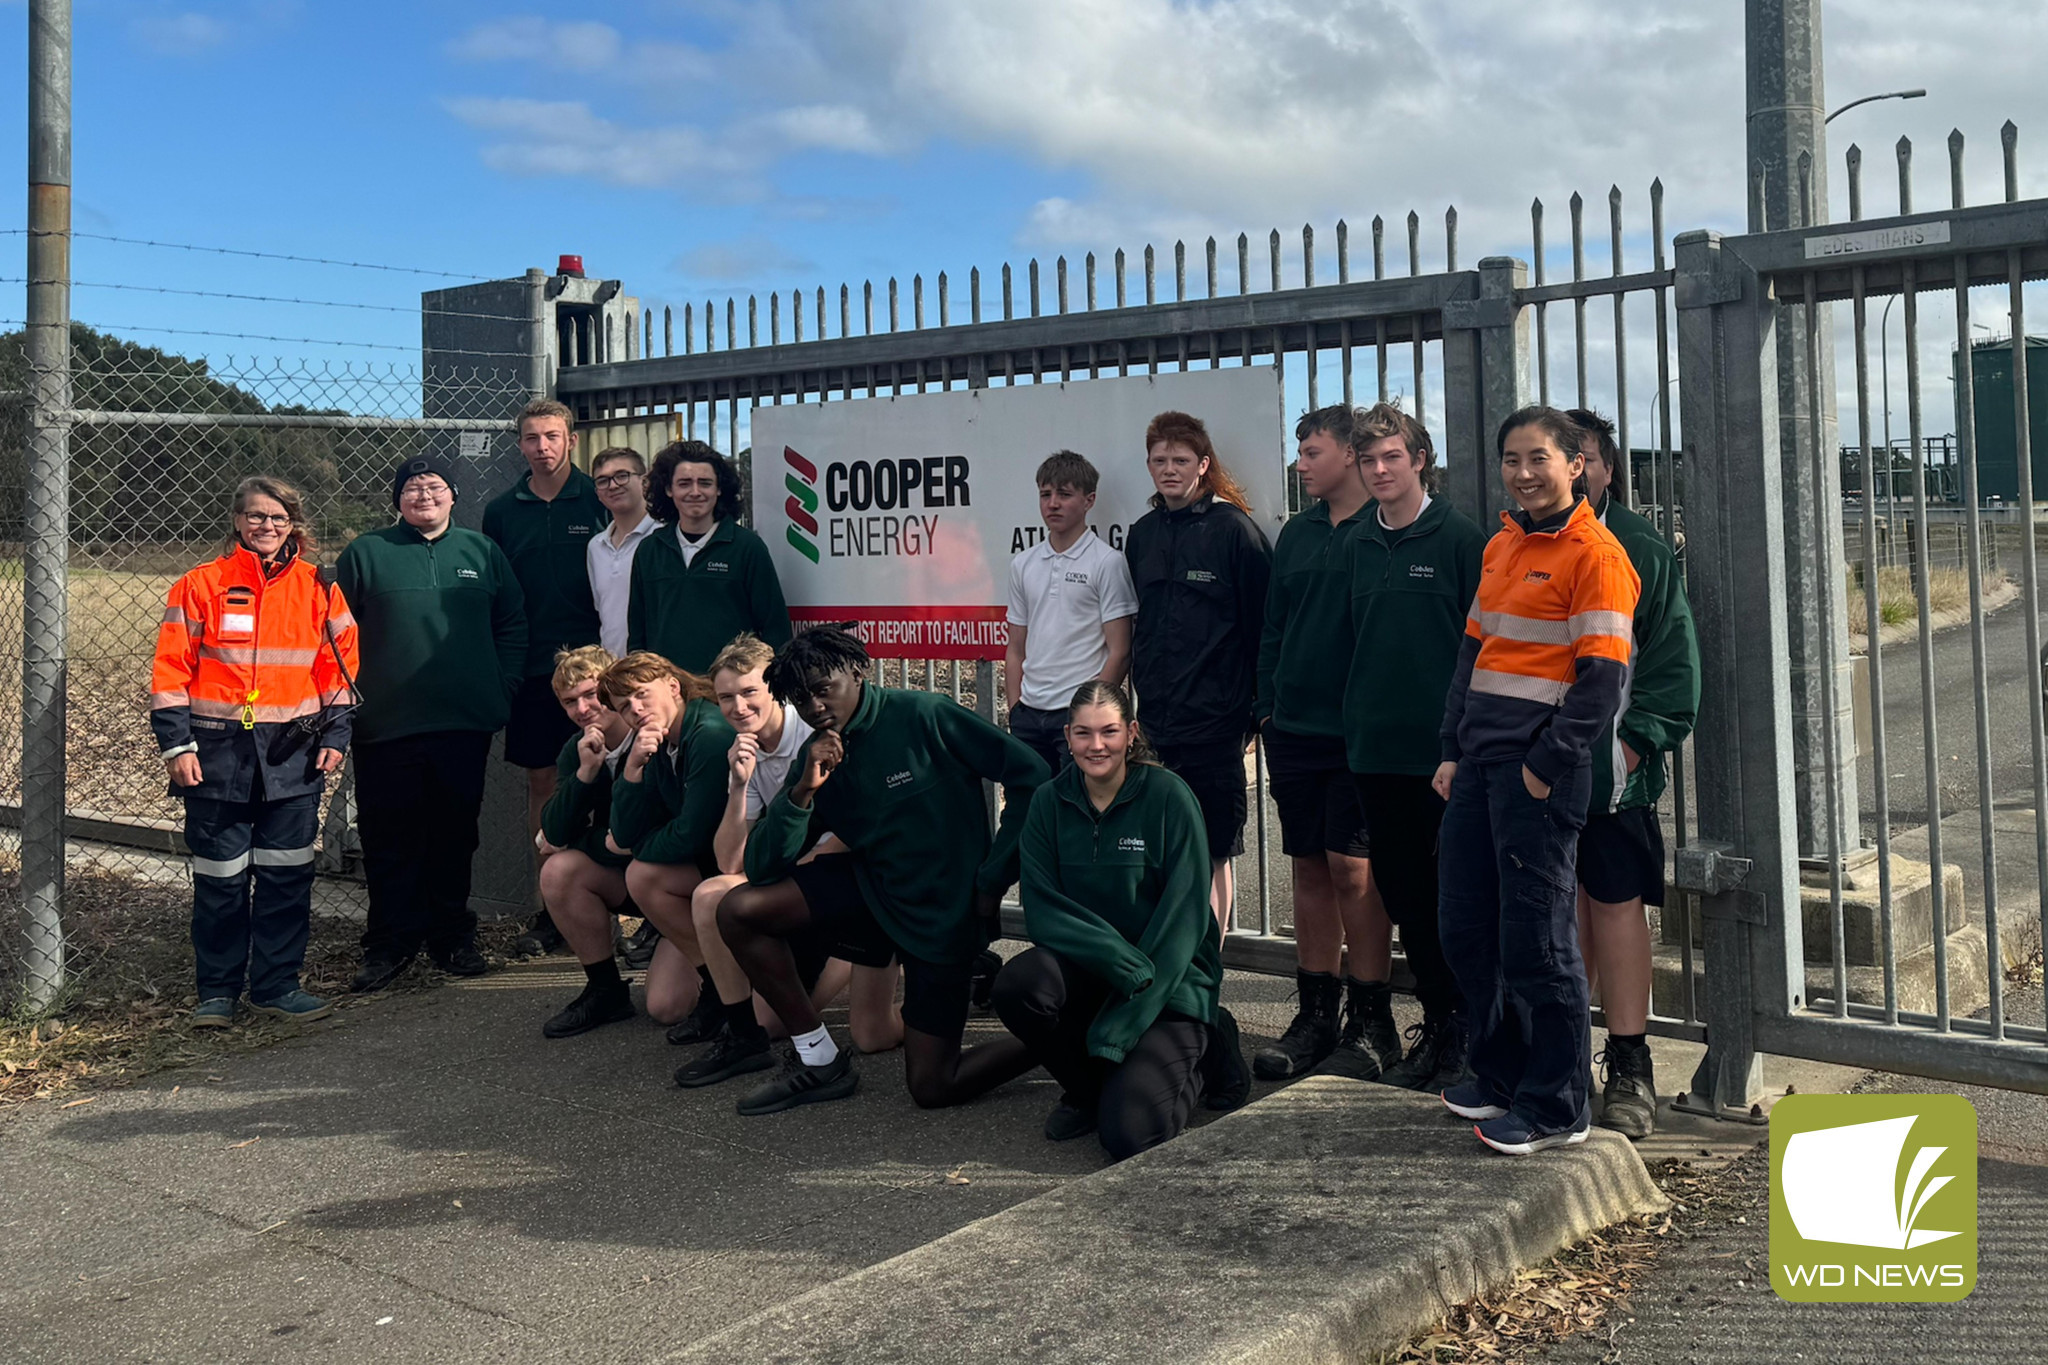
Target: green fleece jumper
(688,612)
(579,814)
(1306,642)
(907,801)
(671,813)
(1663,696)
(442,631)
(548,543)
(1410,592)
(1124,892)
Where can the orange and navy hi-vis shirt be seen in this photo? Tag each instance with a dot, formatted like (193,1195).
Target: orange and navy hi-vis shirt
(245,649)
(1545,663)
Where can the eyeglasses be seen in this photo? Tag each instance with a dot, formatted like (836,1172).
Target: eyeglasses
(266,518)
(429,491)
(616,480)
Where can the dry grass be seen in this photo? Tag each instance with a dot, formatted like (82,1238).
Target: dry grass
(123,1016)
(1948,590)
(1583,1290)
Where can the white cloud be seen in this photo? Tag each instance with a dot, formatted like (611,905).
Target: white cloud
(1182,118)
(564,138)
(180,35)
(581,47)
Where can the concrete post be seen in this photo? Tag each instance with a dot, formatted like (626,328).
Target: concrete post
(45,577)
(1787,145)
(1486,377)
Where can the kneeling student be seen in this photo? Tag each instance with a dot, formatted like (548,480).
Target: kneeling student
(665,809)
(897,776)
(1117,997)
(769,737)
(582,881)
(1543,667)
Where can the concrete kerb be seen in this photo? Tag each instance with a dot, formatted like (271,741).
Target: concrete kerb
(1327,1222)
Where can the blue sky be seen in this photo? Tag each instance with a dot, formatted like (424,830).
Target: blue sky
(702,148)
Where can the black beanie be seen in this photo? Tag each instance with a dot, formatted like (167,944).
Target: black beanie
(418,465)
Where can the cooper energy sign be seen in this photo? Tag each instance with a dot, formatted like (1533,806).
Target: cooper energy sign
(902,513)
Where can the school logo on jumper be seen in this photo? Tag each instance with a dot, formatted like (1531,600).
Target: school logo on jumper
(801,480)
(466,573)
(1131,843)
(1873,1198)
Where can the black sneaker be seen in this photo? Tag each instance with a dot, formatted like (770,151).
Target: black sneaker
(1310,1038)
(981,981)
(638,950)
(800,1084)
(702,1023)
(1433,1043)
(1628,1102)
(728,1056)
(1068,1121)
(377,972)
(593,1009)
(540,939)
(461,960)
(1226,1080)
(1368,1014)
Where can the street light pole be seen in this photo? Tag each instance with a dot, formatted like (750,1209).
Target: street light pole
(1888,95)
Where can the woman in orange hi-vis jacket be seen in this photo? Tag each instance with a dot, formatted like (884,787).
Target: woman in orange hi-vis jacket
(250,697)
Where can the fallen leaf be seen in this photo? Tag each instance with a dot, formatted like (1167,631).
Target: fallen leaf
(456,1202)
(381,1322)
(234,1146)
(75,1103)
(953,1177)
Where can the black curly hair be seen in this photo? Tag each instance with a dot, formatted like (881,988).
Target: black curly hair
(691,452)
(811,656)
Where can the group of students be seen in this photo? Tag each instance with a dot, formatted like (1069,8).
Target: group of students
(1464,739)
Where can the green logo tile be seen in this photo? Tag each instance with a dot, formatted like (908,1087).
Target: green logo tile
(1873,1198)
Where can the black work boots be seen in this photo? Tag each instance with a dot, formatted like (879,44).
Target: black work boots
(1311,1037)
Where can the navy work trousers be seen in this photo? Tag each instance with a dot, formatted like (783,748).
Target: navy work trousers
(252,893)
(417,801)
(1507,917)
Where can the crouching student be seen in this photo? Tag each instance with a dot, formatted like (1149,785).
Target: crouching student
(768,737)
(582,879)
(897,776)
(1542,669)
(665,807)
(1117,997)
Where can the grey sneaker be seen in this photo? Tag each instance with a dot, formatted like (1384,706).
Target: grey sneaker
(297,1005)
(217,1012)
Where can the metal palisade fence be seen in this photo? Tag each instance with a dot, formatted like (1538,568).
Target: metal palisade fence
(1845,885)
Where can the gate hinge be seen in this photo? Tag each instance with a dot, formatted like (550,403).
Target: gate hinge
(1716,875)
(1708,868)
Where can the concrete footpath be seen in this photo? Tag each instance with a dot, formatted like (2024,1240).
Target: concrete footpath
(425,1178)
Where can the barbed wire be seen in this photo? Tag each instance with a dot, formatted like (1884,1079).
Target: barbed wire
(268,298)
(257,336)
(240,251)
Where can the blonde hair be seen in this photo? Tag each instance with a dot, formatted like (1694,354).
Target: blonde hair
(641,667)
(575,667)
(747,653)
(542,408)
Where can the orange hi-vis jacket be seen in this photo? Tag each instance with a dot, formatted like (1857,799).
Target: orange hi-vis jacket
(1548,643)
(241,653)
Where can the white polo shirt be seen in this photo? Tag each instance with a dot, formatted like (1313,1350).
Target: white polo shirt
(611,580)
(771,770)
(1063,600)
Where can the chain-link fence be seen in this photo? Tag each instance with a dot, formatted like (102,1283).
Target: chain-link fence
(158,442)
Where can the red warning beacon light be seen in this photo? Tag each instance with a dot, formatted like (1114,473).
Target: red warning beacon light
(572,266)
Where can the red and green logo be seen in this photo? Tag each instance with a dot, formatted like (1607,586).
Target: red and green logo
(801,479)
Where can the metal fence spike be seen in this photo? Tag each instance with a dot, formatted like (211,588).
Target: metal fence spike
(2009,138)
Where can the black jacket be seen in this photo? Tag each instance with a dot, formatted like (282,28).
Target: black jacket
(1201,576)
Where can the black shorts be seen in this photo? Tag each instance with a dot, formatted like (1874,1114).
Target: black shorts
(935,994)
(1318,801)
(1621,856)
(1215,772)
(538,729)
